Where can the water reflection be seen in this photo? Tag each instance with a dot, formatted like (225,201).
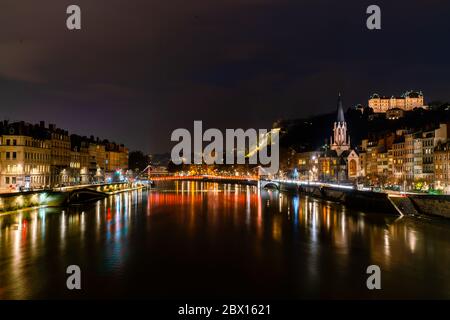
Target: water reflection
(206,239)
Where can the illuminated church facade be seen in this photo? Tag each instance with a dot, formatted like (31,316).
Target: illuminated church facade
(340,162)
(336,161)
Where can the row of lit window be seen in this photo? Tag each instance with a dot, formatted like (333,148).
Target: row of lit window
(27,168)
(11,155)
(75,165)
(13,180)
(35,144)
(36,156)
(37,168)
(440,167)
(11,142)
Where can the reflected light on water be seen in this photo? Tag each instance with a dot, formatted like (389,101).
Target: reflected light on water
(173,232)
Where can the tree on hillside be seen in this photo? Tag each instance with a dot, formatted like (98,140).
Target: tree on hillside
(137,160)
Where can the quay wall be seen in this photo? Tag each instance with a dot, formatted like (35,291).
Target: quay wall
(60,197)
(411,204)
(362,200)
(433,205)
(16,201)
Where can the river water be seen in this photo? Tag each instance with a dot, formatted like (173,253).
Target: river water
(206,240)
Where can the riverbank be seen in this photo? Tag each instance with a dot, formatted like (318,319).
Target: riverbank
(361,200)
(11,202)
(397,204)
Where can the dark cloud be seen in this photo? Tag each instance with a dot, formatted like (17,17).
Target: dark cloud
(139,69)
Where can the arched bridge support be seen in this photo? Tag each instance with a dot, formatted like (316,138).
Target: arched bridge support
(265,184)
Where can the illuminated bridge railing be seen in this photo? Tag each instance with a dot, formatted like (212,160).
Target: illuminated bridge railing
(250,178)
(205,177)
(314,183)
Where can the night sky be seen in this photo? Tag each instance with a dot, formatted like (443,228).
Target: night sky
(139,69)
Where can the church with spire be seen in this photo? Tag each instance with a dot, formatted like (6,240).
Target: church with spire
(335,161)
(340,141)
(340,162)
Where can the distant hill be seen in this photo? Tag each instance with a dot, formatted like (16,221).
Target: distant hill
(312,133)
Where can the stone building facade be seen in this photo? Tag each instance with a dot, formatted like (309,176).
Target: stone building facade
(33,156)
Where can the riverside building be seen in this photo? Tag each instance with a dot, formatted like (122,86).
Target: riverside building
(33,156)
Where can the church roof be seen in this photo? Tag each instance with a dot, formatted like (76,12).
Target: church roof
(345,153)
(340,110)
(330,153)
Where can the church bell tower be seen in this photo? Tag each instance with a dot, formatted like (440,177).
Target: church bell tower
(340,142)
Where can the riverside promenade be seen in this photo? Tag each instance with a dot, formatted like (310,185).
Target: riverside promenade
(62,196)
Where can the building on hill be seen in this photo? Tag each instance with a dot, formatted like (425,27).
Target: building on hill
(395,113)
(407,101)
